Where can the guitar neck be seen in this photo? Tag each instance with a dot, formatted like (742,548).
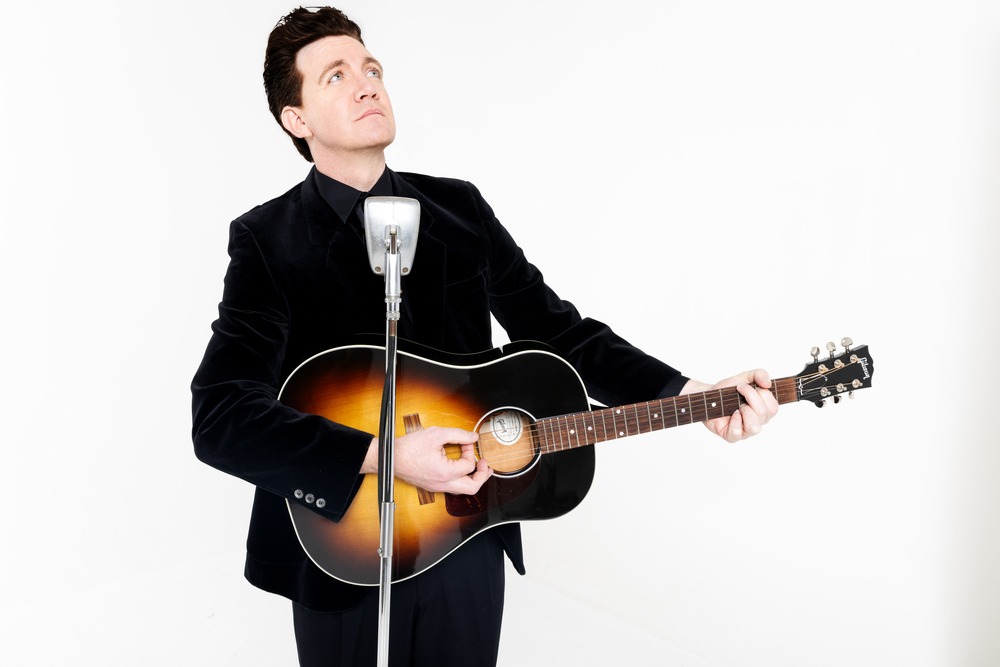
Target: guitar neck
(587,428)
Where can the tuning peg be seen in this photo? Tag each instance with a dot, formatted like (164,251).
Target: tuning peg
(815,354)
(847,343)
(836,399)
(820,404)
(831,348)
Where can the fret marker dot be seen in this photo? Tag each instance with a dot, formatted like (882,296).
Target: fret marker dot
(713,405)
(618,412)
(590,428)
(572,431)
(656,416)
(683,409)
(621,432)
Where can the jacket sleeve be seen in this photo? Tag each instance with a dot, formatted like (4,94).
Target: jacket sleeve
(614,371)
(239,426)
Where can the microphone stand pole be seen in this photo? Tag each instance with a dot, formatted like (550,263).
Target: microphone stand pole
(397,219)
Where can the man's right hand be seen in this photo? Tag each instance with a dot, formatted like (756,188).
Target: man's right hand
(421,460)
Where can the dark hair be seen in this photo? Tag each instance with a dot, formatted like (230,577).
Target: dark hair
(282,79)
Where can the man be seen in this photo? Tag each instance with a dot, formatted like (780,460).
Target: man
(298,283)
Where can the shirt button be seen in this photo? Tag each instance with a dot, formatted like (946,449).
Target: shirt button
(298,493)
(320,502)
(310,497)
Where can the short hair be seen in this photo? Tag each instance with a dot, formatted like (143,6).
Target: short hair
(282,79)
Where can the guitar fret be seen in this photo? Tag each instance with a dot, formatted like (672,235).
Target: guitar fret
(591,434)
(547,435)
(582,429)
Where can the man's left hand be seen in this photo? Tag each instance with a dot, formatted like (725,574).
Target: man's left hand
(759,407)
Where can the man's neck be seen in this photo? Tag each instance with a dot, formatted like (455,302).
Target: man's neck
(359,171)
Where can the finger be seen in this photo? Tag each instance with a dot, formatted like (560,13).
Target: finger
(735,431)
(469,454)
(755,401)
(751,422)
(760,377)
(457,436)
(470,484)
(751,398)
(771,403)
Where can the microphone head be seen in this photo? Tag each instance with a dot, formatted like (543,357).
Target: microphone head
(382,216)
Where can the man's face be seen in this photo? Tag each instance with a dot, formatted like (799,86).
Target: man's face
(345,107)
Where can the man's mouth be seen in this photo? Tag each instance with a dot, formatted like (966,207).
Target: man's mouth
(370,112)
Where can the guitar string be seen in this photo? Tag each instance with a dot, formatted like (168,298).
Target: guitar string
(562,422)
(537,442)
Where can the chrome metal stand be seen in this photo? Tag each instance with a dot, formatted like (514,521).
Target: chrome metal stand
(391,226)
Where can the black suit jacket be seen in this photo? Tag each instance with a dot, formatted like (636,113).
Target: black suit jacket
(299,283)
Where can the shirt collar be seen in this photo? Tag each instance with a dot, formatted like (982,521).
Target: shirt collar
(342,198)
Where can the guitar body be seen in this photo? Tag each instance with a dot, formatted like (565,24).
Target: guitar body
(535,429)
(499,394)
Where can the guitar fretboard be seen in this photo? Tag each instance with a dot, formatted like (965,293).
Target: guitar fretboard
(587,428)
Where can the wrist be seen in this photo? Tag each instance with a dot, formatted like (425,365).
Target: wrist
(370,464)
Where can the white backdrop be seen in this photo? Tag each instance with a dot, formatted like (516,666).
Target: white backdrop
(727,183)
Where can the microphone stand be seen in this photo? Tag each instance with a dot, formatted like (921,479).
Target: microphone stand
(391,225)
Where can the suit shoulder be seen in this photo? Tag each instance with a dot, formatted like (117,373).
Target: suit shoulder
(437,184)
(276,209)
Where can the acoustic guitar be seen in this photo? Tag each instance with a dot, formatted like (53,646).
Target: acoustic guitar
(535,427)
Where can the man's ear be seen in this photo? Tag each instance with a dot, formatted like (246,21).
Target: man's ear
(292,120)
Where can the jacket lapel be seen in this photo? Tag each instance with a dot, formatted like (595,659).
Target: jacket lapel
(423,291)
(423,310)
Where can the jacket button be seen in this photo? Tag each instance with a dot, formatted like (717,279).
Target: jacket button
(298,493)
(320,502)
(310,497)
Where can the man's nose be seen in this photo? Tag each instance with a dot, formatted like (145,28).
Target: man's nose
(365,89)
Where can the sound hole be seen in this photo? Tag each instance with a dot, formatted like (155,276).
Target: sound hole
(507,441)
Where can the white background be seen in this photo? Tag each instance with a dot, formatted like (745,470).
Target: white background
(727,183)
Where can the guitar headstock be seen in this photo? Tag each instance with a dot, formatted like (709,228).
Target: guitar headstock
(836,376)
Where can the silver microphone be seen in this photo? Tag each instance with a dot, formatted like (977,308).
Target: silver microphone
(385,217)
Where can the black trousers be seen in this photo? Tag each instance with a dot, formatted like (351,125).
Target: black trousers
(448,616)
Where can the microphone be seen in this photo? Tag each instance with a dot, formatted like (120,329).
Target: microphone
(387,218)
(391,226)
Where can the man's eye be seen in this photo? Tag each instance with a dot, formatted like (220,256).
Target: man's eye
(337,76)
(374,73)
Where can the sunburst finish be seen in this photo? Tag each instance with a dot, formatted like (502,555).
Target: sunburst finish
(345,385)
